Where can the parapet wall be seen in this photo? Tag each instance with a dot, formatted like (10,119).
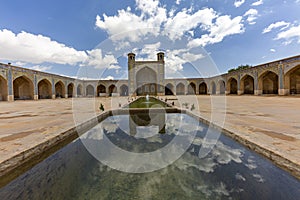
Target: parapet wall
(281,77)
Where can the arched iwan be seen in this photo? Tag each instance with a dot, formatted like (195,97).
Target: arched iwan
(221,87)
(192,88)
(79,90)
(124,90)
(90,91)
(146,80)
(3,89)
(268,83)
(203,88)
(212,88)
(44,89)
(70,90)
(232,87)
(247,85)
(101,90)
(23,88)
(60,90)
(180,89)
(112,89)
(169,89)
(292,80)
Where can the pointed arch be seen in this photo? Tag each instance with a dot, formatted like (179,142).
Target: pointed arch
(203,88)
(60,90)
(180,89)
(70,90)
(268,83)
(79,90)
(292,80)
(124,90)
(112,89)
(3,89)
(213,88)
(90,91)
(23,88)
(247,84)
(192,88)
(169,89)
(44,89)
(221,86)
(101,89)
(232,86)
(146,79)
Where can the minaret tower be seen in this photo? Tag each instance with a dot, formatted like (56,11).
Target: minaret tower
(131,73)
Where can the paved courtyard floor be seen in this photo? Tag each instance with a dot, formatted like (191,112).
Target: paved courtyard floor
(270,121)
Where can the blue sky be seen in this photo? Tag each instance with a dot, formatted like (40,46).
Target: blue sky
(69,37)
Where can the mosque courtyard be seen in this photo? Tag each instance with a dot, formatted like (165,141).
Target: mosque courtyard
(271,122)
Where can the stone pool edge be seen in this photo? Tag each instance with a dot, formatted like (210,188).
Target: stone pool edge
(18,164)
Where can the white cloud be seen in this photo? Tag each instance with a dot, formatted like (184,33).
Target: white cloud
(114,67)
(251,15)
(108,78)
(41,68)
(27,47)
(20,64)
(86,78)
(251,163)
(148,22)
(154,20)
(174,64)
(238,176)
(290,34)
(259,178)
(99,61)
(282,24)
(221,189)
(178,2)
(251,166)
(191,57)
(175,59)
(287,31)
(257,3)
(148,6)
(148,49)
(224,26)
(225,154)
(238,3)
(272,50)
(37,49)
(185,21)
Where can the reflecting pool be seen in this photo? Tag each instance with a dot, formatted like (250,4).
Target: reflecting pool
(144,102)
(229,171)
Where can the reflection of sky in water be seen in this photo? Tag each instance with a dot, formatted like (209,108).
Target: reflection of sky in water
(229,171)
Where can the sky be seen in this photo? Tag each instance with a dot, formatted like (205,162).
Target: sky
(91,38)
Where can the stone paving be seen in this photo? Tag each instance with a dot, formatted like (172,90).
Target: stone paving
(272,122)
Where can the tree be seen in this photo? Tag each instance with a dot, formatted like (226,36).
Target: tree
(241,67)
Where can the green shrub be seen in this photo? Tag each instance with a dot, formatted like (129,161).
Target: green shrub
(192,107)
(101,107)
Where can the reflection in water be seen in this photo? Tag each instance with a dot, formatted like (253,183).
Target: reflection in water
(230,171)
(153,120)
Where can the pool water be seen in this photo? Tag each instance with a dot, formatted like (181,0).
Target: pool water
(229,171)
(142,102)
